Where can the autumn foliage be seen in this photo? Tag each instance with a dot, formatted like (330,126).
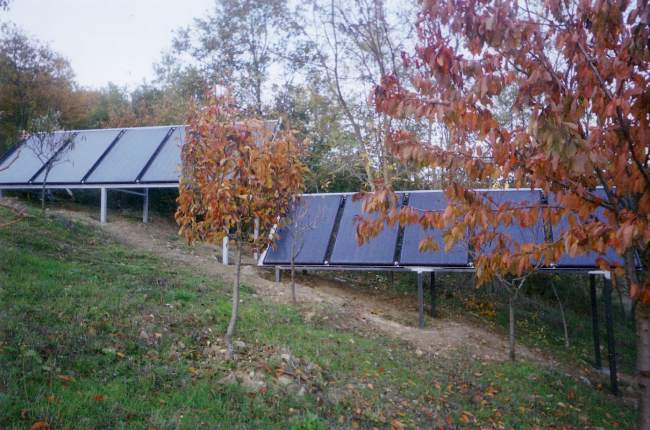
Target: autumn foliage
(236,172)
(578,73)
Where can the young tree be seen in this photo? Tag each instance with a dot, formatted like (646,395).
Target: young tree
(301,221)
(49,144)
(579,70)
(235,171)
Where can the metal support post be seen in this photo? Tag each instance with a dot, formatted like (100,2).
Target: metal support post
(432,288)
(145,206)
(611,344)
(278,275)
(420,299)
(256,235)
(224,251)
(103,205)
(1,195)
(598,363)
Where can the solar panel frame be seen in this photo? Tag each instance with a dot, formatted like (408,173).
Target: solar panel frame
(378,251)
(314,217)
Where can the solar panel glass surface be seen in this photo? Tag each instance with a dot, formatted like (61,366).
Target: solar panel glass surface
(307,233)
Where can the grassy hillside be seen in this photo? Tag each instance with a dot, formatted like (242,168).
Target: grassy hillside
(95,335)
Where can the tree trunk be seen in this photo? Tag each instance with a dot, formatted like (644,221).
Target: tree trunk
(235,301)
(564,324)
(293,283)
(643,363)
(511,331)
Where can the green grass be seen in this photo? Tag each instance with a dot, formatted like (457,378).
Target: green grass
(96,335)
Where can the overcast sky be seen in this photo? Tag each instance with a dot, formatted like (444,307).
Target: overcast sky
(106,40)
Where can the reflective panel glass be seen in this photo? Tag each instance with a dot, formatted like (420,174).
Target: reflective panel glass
(166,166)
(413,235)
(307,233)
(378,251)
(78,157)
(129,155)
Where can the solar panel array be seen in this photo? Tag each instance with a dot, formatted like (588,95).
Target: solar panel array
(321,230)
(146,155)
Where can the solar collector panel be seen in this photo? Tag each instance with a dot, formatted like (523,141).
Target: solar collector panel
(165,167)
(129,155)
(414,233)
(24,162)
(308,233)
(379,251)
(587,259)
(76,160)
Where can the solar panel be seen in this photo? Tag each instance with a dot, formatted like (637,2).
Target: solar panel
(413,235)
(76,160)
(165,167)
(24,162)
(518,234)
(307,233)
(587,259)
(129,155)
(378,251)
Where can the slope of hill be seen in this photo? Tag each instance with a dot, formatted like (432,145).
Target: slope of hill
(96,332)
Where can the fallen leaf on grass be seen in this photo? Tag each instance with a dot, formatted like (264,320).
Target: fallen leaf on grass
(40,425)
(99,397)
(120,355)
(65,378)
(24,413)
(397,425)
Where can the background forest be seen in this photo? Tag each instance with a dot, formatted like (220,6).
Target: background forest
(313,65)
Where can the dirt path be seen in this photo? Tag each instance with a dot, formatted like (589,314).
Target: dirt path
(362,310)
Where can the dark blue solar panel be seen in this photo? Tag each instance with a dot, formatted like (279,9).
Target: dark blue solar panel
(378,251)
(413,235)
(581,260)
(307,233)
(517,234)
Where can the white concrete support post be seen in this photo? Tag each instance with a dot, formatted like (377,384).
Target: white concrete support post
(103,205)
(224,251)
(256,235)
(145,206)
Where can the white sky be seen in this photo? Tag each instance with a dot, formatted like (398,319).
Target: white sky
(106,40)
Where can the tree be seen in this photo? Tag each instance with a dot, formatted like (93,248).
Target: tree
(238,45)
(34,80)
(357,43)
(235,171)
(579,71)
(49,144)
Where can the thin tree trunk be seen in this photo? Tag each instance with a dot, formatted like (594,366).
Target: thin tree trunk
(564,324)
(235,301)
(511,331)
(293,283)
